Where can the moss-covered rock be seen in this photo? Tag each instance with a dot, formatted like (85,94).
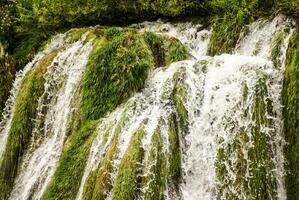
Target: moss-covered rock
(128,176)
(174,157)
(115,71)
(119,66)
(291,116)
(248,155)
(154,178)
(67,178)
(180,96)
(22,124)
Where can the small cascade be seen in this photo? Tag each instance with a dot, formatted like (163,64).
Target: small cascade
(5,124)
(193,35)
(62,78)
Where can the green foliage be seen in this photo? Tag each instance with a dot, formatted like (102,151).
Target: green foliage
(7,71)
(180,96)
(115,71)
(289,7)
(166,50)
(175,51)
(22,124)
(127,179)
(156,44)
(67,178)
(291,116)
(231,16)
(262,184)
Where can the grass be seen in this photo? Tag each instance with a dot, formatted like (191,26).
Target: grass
(179,97)
(98,182)
(115,71)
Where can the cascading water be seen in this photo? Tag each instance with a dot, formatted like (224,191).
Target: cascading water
(5,124)
(62,77)
(202,128)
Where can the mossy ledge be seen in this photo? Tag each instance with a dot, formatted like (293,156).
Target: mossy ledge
(291,116)
(25,110)
(119,66)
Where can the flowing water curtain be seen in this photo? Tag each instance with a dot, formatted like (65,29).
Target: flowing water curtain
(61,80)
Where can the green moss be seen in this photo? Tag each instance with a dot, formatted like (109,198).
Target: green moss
(226,32)
(156,43)
(291,116)
(115,71)
(180,96)
(127,179)
(276,49)
(262,183)
(154,179)
(175,51)
(174,155)
(66,180)
(166,50)
(76,34)
(22,124)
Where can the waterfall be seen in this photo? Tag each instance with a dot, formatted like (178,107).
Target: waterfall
(62,78)
(221,98)
(201,128)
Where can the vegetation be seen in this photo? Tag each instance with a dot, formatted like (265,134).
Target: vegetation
(98,184)
(115,71)
(119,66)
(7,72)
(67,177)
(291,113)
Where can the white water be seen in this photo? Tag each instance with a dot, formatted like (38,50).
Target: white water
(62,77)
(5,124)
